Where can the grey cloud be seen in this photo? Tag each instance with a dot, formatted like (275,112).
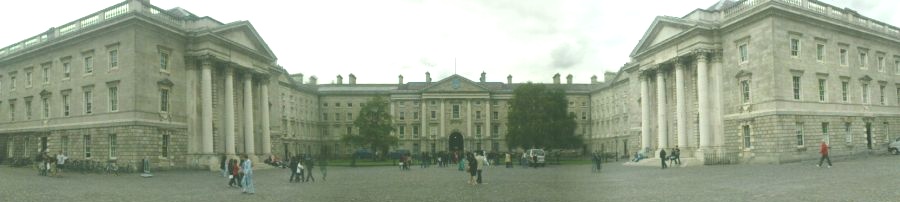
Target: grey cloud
(568,54)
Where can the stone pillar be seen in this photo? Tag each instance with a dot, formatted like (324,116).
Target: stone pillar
(229,111)
(469,119)
(442,118)
(645,111)
(249,147)
(703,100)
(717,125)
(487,117)
(264,108)
(680,105)
(206,107)
(423,116)
(662,137)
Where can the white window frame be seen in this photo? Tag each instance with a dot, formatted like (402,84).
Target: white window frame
(745,91)
(844,57)
(66,105)
(795,47)
(164,99)
(863,59)
(796,92)
(798,132)
(864,87)
(88,95)
(113,146)
(86,146)
(45,69)
(845,91)
(113,54)
(113,98)
(88,64)
(45,106)
(823,90)
(825,134)
(820,52)
(455,111)
(743,53)
(881,99)
(881,63)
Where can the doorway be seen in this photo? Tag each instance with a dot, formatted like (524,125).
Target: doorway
(869,135)
(456,142)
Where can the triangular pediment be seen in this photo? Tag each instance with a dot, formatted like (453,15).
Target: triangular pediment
(455,83)
(662,29)
(245,35)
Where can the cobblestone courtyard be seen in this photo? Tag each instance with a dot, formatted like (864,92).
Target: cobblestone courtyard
(864,179)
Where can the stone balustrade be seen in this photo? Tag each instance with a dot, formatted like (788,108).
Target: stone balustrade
(820,8)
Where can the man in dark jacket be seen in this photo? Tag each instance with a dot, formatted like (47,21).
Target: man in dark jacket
(293,167)
(662,157)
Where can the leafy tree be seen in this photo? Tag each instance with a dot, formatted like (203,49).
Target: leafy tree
(375,126)
(539,118)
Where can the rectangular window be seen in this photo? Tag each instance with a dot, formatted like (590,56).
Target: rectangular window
(349,104)
(583,115)
(455,111)
(416,115)
(415,131)
(65,107)
(45,106)
(433,115)
(27,109)
(113,59)
(337,116)
(745,91)
(87,146)
(401,130)
(12,111)
(28,78)
(67,69)
(349,130)
(822,89)
(164,100)
(12,81)
(402,115)
(495,130)
(88,65)
(881,64)
(844,57)
(820,52)
(795,47)
(746,135)
(825,133)
(324,116)
(742,49)
(865,93)
(113,146)
(45,73)
(88,102)
(845,94)
(113,99)
(863,59)
(478,115)
(897,67)
(796,85)
(65,144)
(165,146)
(338,104)
(798,129)
(350,116)
(887,132)
(881,95)
(495,115)
(164,60)
(478,130)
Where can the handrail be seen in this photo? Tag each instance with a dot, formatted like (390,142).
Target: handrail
(818,7)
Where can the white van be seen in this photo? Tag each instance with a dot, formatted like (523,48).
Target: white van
(540,156)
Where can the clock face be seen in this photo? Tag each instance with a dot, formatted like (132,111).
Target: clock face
(456,83)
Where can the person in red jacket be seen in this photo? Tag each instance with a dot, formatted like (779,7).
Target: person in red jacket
(824,151)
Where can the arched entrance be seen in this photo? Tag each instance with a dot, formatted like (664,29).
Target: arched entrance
(456,142)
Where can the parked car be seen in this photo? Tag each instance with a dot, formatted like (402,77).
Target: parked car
(362,154)
(894,147)
(540,156)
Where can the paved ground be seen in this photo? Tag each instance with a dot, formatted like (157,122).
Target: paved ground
(869,179)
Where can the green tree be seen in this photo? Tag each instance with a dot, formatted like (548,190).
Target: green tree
(539,118)
(375,126)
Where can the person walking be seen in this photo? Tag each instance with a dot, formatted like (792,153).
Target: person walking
(60,163)
(247,168)
(292,165)
(508,160)
(662,157)
(235,173)
(677,154)
(223,166)
(310,162)
(481,163)
(823,149)
(471,168)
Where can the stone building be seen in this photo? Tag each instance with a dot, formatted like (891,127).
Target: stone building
(765,81)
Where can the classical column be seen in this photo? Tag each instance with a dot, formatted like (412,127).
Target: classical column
(422,118)
(716,94)
(249,146)
(680,105)
(703,99)
(662,137)
(264,107)
(442,117)
(487,117)
(206,106)
(645,111)
(469,119)
(229,111)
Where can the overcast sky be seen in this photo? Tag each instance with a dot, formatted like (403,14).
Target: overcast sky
(378,40)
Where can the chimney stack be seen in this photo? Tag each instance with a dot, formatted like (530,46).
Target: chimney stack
(352,79)
(509,79)
(556,78)
(298,77)
(482,77)
(569,79)
(312,80)
(340,79)
(594,79)
(428,77)
(400,78)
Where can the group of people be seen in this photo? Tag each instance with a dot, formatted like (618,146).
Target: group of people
(674,158)
(49,165)
(240,173)
(301,168)
(474,163)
